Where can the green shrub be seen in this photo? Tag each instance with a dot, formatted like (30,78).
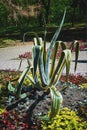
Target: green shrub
(6,42)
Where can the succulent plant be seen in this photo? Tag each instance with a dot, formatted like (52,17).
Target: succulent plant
(43,75)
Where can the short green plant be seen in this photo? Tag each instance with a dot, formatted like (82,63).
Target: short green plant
(6,42)
(83,85)
(2,110)
(44,76)
(65,120)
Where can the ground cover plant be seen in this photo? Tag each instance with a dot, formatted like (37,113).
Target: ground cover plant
(37,83)
(66,120)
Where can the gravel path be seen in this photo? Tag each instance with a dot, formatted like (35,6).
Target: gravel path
(9,53)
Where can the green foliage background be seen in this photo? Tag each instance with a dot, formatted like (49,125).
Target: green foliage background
(76,13)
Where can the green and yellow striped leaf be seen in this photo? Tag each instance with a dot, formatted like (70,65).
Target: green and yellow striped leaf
(52,44)
(56,101)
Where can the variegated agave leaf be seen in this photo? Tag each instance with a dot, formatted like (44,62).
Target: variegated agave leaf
(52,44)
(56,46)
(21,80)
(67,53)
(20,64)
(54,58)
(41,69)
(75,43)
(56,101)
(36,55)
(11,88)
(58,69)
(64,60)
(44,54)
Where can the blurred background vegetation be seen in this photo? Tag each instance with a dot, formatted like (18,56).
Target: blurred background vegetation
(20,16)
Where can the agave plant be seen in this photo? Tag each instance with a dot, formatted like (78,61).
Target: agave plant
(43,75)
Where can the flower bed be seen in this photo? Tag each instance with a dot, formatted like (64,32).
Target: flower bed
(17,118)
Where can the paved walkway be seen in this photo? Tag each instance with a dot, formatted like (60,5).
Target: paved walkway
(9,53)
